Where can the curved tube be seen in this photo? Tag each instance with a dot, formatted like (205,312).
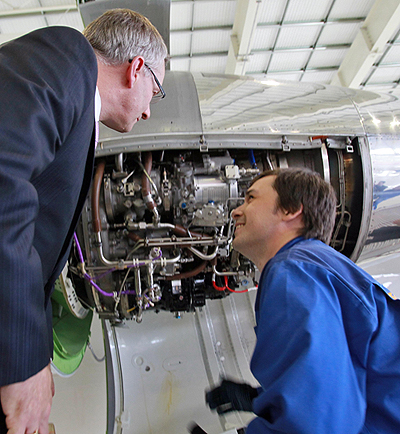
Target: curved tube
(146,189)
(202,255)
(183,232)
(96,196)
(120,265)
(189,273)
(134,237)
(226,273)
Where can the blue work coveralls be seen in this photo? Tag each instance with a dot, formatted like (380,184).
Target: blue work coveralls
(328,346)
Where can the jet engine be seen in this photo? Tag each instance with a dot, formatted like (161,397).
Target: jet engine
(155,237)
(156,232)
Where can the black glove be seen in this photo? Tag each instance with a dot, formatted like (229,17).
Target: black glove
(193,428)
(231,396)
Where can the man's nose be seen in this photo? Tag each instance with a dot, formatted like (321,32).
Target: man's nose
(146,114)
(237,212)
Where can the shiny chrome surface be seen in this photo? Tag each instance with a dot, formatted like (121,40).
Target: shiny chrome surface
(208,111)
(229,104)
(384,231)
(237,104)
(212,105)
(232,105)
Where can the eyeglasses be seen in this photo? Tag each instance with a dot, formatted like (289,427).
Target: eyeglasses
(159,95)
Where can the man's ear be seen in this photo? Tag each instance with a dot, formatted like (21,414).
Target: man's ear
(289,216)
(134,68)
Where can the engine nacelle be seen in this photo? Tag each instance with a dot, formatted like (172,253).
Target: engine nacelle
(157,228)
(156,232)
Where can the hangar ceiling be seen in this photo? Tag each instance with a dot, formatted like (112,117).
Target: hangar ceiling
(350,43)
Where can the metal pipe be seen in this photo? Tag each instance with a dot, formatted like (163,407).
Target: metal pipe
(121,265)
(190,273)
(119,162)
(146,188)
(184,242)
(202,255)
(98,177)
(226,273)
(139,299)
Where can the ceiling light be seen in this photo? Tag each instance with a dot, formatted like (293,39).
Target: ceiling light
(270,82)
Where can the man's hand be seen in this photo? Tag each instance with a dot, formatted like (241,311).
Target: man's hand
(27,404)
(231,396)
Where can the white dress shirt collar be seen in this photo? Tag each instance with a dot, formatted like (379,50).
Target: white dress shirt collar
(97,105)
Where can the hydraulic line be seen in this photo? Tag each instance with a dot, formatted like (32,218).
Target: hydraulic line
(190,273)
(90,279)
(98,177)
(146,189)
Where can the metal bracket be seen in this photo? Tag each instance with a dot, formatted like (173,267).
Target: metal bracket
(203,144)
(285,144)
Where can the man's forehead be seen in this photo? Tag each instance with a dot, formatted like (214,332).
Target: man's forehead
(261,184)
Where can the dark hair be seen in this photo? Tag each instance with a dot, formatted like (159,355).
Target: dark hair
(300,186)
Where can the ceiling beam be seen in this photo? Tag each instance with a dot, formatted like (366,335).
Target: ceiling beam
(274,25)
(246,19)
(267,50)
(42,11)
(37,11)
(379,26)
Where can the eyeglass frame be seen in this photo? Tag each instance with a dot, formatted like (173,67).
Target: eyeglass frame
(155,97)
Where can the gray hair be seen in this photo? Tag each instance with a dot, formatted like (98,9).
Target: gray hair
(119,35)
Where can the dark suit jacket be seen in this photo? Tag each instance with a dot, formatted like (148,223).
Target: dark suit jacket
(47,87)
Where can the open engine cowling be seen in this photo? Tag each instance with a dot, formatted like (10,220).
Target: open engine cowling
(156,231)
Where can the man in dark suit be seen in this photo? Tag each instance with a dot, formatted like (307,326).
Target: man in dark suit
(49,101)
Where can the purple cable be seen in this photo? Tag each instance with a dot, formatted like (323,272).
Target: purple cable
(79,248)
(100,276)
(86,275)
(106,294)
(91,280)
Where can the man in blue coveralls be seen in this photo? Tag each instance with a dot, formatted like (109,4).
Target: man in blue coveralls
(327,355)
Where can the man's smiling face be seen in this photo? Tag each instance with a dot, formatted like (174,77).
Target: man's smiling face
(256,219)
